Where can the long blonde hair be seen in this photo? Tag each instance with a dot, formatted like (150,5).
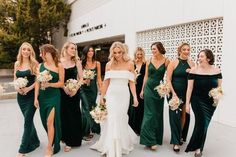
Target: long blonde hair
(64,51)
(32,60)
(124,50)
(143,54)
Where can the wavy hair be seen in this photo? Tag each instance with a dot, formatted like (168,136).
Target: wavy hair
(124,50)
(143,54)
(32,60)
(85,53)
(64,51)
(48,48)
(181,46)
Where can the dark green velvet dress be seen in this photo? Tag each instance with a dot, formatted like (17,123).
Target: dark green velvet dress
(202,108)
(136,113)
(48,99)
(30,140)
(90,91)
(179,83)
(71,123)
(152,125)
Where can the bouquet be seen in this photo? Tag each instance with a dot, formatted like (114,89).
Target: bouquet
(88,74)
(162,89)
(72,85)
(174,103)
(99,113)
(20,82)
(44,77)
(216,94)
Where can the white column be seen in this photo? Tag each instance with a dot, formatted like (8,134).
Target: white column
(227,107)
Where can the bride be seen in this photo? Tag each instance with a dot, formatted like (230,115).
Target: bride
(117,137)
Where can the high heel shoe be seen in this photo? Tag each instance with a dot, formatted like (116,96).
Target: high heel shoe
(176,149)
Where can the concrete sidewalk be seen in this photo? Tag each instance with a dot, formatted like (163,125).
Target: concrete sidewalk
(221,139)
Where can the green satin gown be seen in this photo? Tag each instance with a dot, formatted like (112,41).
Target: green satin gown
(152,124)
(179,83)
(30,140)
(202,108)
(90,92)
(48,99)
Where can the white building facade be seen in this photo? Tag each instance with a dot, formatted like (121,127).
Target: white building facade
(203,24)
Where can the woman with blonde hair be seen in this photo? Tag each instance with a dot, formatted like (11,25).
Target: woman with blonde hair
(71,124)
(136,113)
(177,73)
(25,67)
(117,137)
(48,97)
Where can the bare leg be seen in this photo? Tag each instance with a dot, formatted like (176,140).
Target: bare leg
(50,127)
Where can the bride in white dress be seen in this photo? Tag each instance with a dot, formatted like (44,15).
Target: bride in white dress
(117,137)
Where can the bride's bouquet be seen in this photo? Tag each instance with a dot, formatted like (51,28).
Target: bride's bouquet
(99,113)
(216,94)
(73,85)
(20,82)
(44,77)
(163,89)
(174,103)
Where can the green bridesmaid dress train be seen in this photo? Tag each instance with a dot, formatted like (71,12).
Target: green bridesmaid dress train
(90,92)
(30,140)
(179,83)
(152,125)
(49,99)
(202,108)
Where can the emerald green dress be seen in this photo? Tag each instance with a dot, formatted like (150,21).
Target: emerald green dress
(179,83)
(30,140)
(152,125)
(90,91)
(48,99)
(202,108)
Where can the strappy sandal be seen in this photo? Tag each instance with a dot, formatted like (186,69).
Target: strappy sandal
(67,148)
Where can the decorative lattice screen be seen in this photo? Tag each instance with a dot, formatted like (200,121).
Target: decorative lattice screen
(200,35)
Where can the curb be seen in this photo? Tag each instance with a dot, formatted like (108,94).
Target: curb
(11,95)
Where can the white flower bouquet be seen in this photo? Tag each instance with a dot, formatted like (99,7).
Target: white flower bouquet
(174,103)
(216,94)
(162,89)
(88,74)
(20,82)
(44,77)
(136,74)
(99,113)
(73,85)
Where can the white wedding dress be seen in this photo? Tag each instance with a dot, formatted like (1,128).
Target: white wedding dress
(117,137)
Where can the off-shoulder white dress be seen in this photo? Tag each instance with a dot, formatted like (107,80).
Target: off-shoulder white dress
(117,137)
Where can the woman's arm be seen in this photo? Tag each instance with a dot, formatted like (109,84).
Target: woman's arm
(189,94)
(169,75)
(80,71)
(144,79)
(105,85)
(99,78)
(60,82)
(36,89)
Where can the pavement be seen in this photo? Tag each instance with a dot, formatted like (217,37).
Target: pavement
(221,139)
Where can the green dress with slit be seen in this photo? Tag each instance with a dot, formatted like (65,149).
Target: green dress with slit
(152,124)
(179,83)
(202,108)
(48,99)
(90,91)
(30,140)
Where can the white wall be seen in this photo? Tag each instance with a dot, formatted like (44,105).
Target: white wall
(126,17)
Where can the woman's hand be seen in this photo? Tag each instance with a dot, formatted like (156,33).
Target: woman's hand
(102,101)
(20,91)
(45,84)
(36,103)
(25,90)
(141,94)
(135,102)
(188,108)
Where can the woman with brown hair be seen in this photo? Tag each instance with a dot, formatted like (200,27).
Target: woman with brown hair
(48,97)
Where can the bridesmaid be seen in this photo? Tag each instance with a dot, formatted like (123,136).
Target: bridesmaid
(200,81)
(25,67)
(177,81)
(136,113)
(49,99)
(71,123)
(90,88)
(152,125)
